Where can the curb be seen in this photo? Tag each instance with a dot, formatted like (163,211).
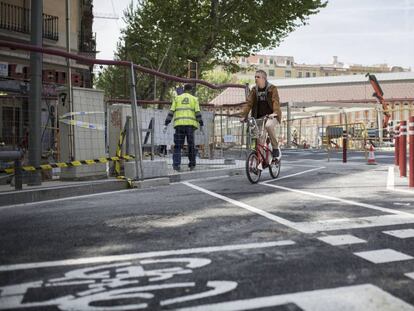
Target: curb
(56,192)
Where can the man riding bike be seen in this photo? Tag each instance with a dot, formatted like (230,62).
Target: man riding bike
(263,100)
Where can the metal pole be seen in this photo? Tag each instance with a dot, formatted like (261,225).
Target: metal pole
(411,160)
(135,131)
(35,100)
(403,149)
(288,129)
(344,146)
(69,80)
(152,138)
(221,130)
(18,180)
(380,129)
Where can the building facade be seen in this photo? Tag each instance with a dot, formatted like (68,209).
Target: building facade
(280,67)
(15,26)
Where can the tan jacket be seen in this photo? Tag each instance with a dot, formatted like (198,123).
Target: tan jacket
(272,98)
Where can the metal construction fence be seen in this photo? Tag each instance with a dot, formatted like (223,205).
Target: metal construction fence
(82,129)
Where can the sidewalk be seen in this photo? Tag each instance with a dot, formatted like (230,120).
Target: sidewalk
(55,189)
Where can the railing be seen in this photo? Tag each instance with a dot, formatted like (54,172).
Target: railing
(15,18)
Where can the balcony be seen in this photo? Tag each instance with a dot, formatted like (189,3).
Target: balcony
(15,18)
(87,43)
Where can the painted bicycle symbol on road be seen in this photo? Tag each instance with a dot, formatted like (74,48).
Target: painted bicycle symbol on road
(117,286)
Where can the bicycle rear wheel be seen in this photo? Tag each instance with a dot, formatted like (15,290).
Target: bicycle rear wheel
(252,172)
(274,168)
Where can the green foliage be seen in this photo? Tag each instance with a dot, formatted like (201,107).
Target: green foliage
(205,94)
(166,34)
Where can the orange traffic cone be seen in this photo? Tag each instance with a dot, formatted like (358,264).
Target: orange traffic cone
(371,156)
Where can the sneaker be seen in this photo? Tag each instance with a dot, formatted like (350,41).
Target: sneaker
(277,154)
(192,168)
(176,168)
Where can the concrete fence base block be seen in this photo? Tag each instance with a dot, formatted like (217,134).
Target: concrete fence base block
(152,169)
(229,161)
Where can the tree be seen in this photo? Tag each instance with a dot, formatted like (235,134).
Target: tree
(210,32)
(205,94)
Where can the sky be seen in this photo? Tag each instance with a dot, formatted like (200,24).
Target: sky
(363,32)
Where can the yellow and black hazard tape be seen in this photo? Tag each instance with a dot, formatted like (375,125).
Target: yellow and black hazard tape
(49,166)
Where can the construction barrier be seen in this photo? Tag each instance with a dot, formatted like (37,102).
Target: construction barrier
(356,138)
(49,166)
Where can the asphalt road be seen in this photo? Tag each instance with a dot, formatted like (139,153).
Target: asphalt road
(323,236)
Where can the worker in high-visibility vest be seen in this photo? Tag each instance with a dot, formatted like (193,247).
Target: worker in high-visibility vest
(185,110)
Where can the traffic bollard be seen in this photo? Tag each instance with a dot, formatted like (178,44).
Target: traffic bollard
(396,144)
(403,149)
(411,154)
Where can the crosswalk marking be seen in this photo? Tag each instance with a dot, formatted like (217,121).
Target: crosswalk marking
(401,234)
(383,255)
(345,239)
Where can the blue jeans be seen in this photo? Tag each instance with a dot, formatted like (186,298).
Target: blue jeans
(181,132)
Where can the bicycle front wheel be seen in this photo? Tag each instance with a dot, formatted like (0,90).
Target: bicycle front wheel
(274,169)
(252,172)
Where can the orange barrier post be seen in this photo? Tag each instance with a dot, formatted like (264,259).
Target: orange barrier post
(371,156)
(344,146)
(411,161)
(396,144)
(403,149)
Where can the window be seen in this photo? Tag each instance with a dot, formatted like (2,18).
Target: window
(326,74)
(261,61)
(300,74)
(307,75)
(271,61)
(243,60)
(313,74)
(288,73)
(271,73)
(287,62)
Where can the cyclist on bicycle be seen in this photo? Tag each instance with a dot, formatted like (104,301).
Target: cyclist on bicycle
(263,100)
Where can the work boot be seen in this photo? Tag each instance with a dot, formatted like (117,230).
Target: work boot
(176,168)
(192,168)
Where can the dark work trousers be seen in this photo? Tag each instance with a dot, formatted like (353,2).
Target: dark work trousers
(181,132)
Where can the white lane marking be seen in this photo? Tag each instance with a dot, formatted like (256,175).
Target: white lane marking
(66,199)
(291,175)
(290,163)
(391,182)
(345,239)
(102,259)
(349,202)
(390,178)
(403,191)
(401,234)
(402,204)
(383,255)
(410,275)
(245,206)
(354,223)
(365,297)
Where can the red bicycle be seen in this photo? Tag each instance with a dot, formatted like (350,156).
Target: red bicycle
(261,157)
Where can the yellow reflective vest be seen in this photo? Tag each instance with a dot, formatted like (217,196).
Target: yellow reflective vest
(185,107)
